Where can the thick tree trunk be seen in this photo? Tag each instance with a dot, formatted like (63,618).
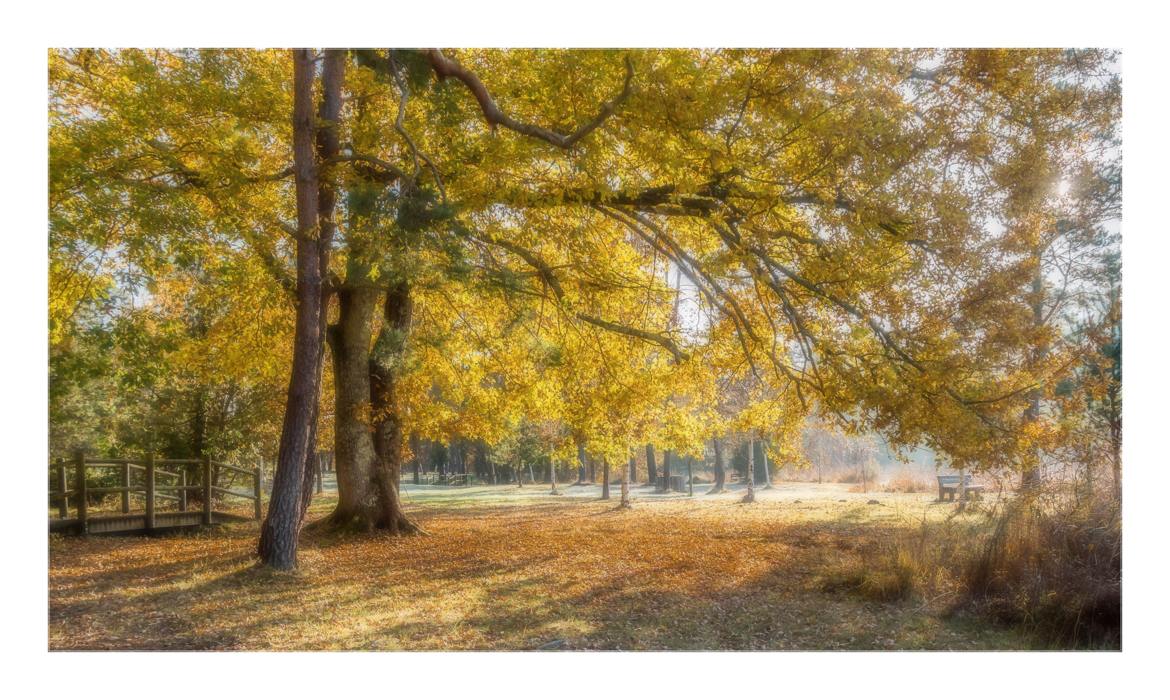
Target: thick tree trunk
(385,365)
(355,455)
(281,528)
(720,468)
(651,467)
(369,443)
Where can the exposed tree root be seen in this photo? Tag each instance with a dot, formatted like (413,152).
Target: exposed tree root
(358,522)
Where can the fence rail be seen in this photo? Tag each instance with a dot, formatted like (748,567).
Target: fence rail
(61,493)
(439,479)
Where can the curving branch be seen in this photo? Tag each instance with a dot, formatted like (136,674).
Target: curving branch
(546,273)
(399,126)
(446,67)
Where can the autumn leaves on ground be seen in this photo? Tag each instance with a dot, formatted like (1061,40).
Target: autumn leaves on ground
(509,568)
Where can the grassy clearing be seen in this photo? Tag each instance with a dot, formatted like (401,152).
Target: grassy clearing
(508,568)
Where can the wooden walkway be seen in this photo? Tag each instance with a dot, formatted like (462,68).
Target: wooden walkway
(172,481)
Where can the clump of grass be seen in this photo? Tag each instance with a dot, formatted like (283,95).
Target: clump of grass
(917,563)
(906,482)
(879,584)
(1054,570)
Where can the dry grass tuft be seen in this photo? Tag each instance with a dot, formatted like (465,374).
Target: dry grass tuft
(906,482)
(857,475)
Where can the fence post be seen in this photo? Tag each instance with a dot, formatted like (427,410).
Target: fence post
(150,492)
(82,493)
(207,492)
(62,486)
(257,489)
(183,488)
(126,487)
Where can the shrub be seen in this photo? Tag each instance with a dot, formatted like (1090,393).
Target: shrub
(1051,569)
(1056,571)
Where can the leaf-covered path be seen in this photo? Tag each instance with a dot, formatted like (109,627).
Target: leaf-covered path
(506,568)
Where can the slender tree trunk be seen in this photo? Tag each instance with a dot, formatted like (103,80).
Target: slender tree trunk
(281,528)
(416,448)
(1030,479)
(720,469)
(651,467)
(605,479)
(667,459)
(750,496)
(552,478)
(767,470)
(1115,444)
(580,462)
(626,478)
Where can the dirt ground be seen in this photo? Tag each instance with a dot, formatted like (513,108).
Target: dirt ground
(515,568)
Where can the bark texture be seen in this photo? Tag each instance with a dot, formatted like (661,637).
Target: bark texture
(385,366)
(281,528)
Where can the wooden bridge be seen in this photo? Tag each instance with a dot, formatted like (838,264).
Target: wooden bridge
(141,478)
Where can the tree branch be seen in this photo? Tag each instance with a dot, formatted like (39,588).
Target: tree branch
(450,68)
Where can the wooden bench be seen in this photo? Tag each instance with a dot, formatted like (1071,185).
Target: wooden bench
(949,485)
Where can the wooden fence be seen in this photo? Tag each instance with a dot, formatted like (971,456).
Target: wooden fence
(75,489)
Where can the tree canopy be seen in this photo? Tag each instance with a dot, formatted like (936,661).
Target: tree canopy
(625,246)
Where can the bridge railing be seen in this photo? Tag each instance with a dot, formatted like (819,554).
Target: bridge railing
(175,489)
